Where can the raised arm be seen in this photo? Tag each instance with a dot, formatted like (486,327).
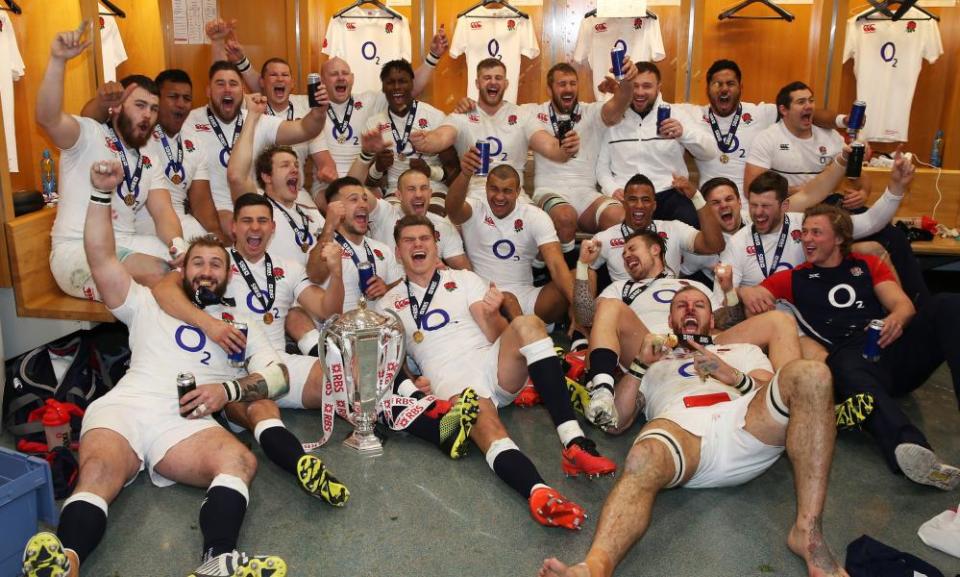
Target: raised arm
(881,213)
(112,279)
(224,45)
(422,75)
(62,128)
(167,222)
(434,141)
(709,239)
(613,110)
(310,126)
(458,209)
(547,145)
(585,283)
(240,166)
(110,95)
(324,303)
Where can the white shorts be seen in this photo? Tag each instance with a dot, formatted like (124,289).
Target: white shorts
(580,199)
(151,426)
(482,370)
(729,455)
(68,262)
(298,367)
(527,295)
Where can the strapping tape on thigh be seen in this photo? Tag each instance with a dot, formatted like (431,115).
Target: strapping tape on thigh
(775,405)
(673,447)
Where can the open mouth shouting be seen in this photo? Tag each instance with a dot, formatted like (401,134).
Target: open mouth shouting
(293,183)
(690,325)
(418,206)
(639,218)
(728,219)
(632,264)
(419,255)
(254,241)
(340,90)
(280,91)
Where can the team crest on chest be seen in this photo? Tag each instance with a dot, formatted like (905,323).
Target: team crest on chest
(512,119)
(277,273)
(450,286)
(637,23)
(795,235)
(388,28)
(663,234)
(511,25)
(377,253)
(823,150)
(911,26)
(188,145)
(146,162)
(856,271)
(518,225)
(422,123)
(751,250)
(746,118)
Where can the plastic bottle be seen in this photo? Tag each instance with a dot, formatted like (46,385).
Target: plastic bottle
(936,152)
(48,178)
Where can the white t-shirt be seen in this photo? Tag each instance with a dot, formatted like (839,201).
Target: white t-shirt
(367,44)
(199,128)
(426,118)
(508,131)
(673,377)
(653,304)
(339,128)
(678,236)
(300,105)
(887,57)
(598,36)
(163,347)
(633,145)
(450,353)
(754,119)
(114,54)
(494,33)
(385,266)
(95,144)
(797,159)
(12,69)
(286,241)
(384,218)
(502,249)
(580,172)
(291,280)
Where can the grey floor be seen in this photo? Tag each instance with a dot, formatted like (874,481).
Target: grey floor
(414,512)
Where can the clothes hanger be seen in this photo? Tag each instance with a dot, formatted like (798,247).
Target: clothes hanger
(593,13)
(483,3)
(11,7)
(391,14)
(781,13)
(112,9)
(883,8)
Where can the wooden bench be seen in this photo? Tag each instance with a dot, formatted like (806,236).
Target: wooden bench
(36,293)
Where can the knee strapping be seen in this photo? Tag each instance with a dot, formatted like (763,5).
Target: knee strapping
(775,405)
(604,205)
(673,447)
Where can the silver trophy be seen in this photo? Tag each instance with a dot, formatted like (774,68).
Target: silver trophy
(372,348)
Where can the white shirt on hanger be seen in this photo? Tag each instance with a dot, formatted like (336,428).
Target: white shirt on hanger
(114,54)
(367,43)
(12,69)
(640,36)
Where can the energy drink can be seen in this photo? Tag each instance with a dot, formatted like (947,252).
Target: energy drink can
(564,125)
(663,113)
(855,162)
(483,146)
(365,272)
(185,383)
(237,359)
(313,81)
(856,118)
(871,350)
(617,56)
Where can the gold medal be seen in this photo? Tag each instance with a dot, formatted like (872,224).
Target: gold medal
(268,318)
(342,138)
(129,200)
(402,157)
(305,247)
(417,337)
(176,179)
(724,158)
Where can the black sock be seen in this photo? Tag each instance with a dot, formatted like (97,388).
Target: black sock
(81,528)
(282,447)
(602,362)
(548,379)
(516,470)
(424,426)
(221,515)
(571,257)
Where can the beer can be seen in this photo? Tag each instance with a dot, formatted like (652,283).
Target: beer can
(313,80)
(871,350)
(185,383)
(617,56)
(237,359)
(365,272)
(856,118)
(663,113)
(564,125)
(483,146)
(855,162)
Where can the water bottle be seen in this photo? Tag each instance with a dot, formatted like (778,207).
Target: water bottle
(936,153)
(48,178)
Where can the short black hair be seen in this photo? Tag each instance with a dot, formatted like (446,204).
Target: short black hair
(648,67)
(334,187)
(142,81)
(640,180)
(413,220)
(399,64)
(723,64)
(651,238)
(251,199)
(174,75)
(223,65)
(264,162)
(274,60)
(770,180)
(783,97)
(716,182)
(505,171)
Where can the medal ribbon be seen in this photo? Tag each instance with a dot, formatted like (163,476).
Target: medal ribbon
(178,163)
(353,254)
(781,242)
(419,311)
(630,294)
(341,127)
(272,112)
(303,235)
(725,142)
(215,124)
(401,141)
(133,183)
(247,275)
(574,118)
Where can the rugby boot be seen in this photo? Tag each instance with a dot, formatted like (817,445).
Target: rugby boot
(581,456)
(455,426)
(528,396)
(44,557)
(552,509)
(921,465)
(853,411)
(579,395)
(601,410)
(236,564)
(317,480)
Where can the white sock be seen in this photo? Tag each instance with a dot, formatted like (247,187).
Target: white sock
(942,533)
(264,425)
(308,341)
(569,431)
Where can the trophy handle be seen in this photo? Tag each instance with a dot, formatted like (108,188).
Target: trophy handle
(403,340)
(322,346)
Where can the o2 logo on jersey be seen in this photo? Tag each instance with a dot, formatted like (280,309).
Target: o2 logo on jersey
(843,296)
(664,296)
(505,250)
(432,323)
(496,148)
(192,340)
(346,134)
(493,49)
(369,52)
(253,304)
(224,156)
(686,370)
(888,53)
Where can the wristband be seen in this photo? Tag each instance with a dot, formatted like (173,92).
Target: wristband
(841,121)
(745,384)
(698,201)
(366,156)
(436,173)
(732,298)
(375,174)
(232,389)
(638,369)
(179,246)
(243,65)
(431,60)
(98,196)
(583,271)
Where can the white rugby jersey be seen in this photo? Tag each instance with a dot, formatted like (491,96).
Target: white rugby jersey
(502,249)
(291,280)
(114,54)
(497,33)
(13,69)
(384,218)
(426,118)
(385,263)
(652,305)
(342,135)
(888,57)
(193,167)
(678,236)
(580,172)
(797,159)
(95,144)
(297,108)
(754,119)
(673,377)
(598,36)
(367,44)
(287,240)
(199,129)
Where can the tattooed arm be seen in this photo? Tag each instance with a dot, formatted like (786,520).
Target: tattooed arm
(585,284)
(729,316)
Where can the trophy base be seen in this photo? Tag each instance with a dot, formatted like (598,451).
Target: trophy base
(368,445)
